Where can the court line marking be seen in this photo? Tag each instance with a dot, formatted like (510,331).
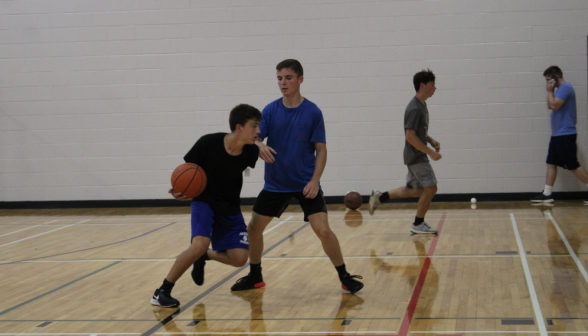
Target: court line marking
(44,233)
(569,247)
(536,307)
(6,234)
(284,221)
(296,258)
(55,289)
(90,248)
(414,300)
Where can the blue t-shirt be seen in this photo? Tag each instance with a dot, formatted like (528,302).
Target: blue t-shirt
(563,121)
(291,132)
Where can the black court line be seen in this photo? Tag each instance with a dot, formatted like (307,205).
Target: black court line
(215,286)
(91,248)
(56,289)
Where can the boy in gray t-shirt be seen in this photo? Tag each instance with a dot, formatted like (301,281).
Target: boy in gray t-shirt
(420,181)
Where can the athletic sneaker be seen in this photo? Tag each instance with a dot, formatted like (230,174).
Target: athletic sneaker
(374,201)
(586,202)
(198,270)
(248,282)
(349,283)
(164,299)
(541,198)
(422,228)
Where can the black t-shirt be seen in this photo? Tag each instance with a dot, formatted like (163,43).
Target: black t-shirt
(223,171)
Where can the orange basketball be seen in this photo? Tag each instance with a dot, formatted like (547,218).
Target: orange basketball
(189,179)
(352,200)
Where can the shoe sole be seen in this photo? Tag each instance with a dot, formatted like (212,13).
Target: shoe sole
(256,286)
(545,201)
(345,288)
(156,303)
(371,209)
(415,231)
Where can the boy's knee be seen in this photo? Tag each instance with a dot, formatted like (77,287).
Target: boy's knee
(432,189)
(323,233)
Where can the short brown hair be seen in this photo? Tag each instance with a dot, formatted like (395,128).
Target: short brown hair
(553,71)
(241,114)
(291,64)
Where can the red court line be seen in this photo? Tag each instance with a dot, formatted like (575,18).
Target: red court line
(420,282)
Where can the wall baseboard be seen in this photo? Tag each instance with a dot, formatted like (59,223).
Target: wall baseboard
(148,203)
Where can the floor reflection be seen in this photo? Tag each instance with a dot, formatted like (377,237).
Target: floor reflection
(353,218)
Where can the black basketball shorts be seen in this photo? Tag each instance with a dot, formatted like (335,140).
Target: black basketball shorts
(562,152)
(273,204)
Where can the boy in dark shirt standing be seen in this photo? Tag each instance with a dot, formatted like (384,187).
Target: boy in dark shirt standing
(216,213)
(420,181)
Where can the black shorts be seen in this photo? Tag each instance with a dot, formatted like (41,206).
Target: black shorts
(562,152)
(273,204)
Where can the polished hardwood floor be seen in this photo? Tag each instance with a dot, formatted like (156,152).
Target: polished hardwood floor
(503,268)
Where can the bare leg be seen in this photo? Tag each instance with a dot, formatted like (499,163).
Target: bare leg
(425,201)
(236,257)
(552,174)
(255,230)
(320,224)
(405,192)
(188,257)
(581,174)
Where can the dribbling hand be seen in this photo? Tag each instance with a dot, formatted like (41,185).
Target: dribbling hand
(179,196)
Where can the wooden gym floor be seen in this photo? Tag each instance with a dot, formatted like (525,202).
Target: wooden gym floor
(505,268)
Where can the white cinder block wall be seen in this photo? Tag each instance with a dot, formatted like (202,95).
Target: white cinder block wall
(100,100)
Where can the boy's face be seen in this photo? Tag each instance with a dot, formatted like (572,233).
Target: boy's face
(288,81)
(428,89)
(552,80)
(250,131)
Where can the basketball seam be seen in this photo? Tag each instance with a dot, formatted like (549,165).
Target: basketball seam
(192,180)
(182,173)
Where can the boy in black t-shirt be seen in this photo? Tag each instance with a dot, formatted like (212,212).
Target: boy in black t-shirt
(216,213)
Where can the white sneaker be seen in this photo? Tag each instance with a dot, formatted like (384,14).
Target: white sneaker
(374,201)
(422,228)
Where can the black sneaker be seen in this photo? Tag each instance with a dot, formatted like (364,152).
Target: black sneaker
(164,299)
(248,282)
(198,270)
(349,283)
(542,199)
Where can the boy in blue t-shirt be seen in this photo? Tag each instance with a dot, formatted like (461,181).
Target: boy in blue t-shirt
(295,130)
(562,146)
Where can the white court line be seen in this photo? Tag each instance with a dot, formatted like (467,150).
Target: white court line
(533,294)
(9,233)
(284,221)
(293,258)
(572,253)
(16,241)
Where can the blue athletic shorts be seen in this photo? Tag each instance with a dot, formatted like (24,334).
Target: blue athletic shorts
(225,232)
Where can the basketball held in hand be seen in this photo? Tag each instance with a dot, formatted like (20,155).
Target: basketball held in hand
(353,200)
(189,179)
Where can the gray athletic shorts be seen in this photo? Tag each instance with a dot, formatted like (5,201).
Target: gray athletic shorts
(420,175)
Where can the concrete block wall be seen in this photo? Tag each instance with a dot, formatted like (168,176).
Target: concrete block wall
(100,99)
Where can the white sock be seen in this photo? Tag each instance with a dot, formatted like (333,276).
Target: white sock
(547,190)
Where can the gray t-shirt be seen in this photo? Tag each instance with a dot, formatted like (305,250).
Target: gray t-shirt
(416,117)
